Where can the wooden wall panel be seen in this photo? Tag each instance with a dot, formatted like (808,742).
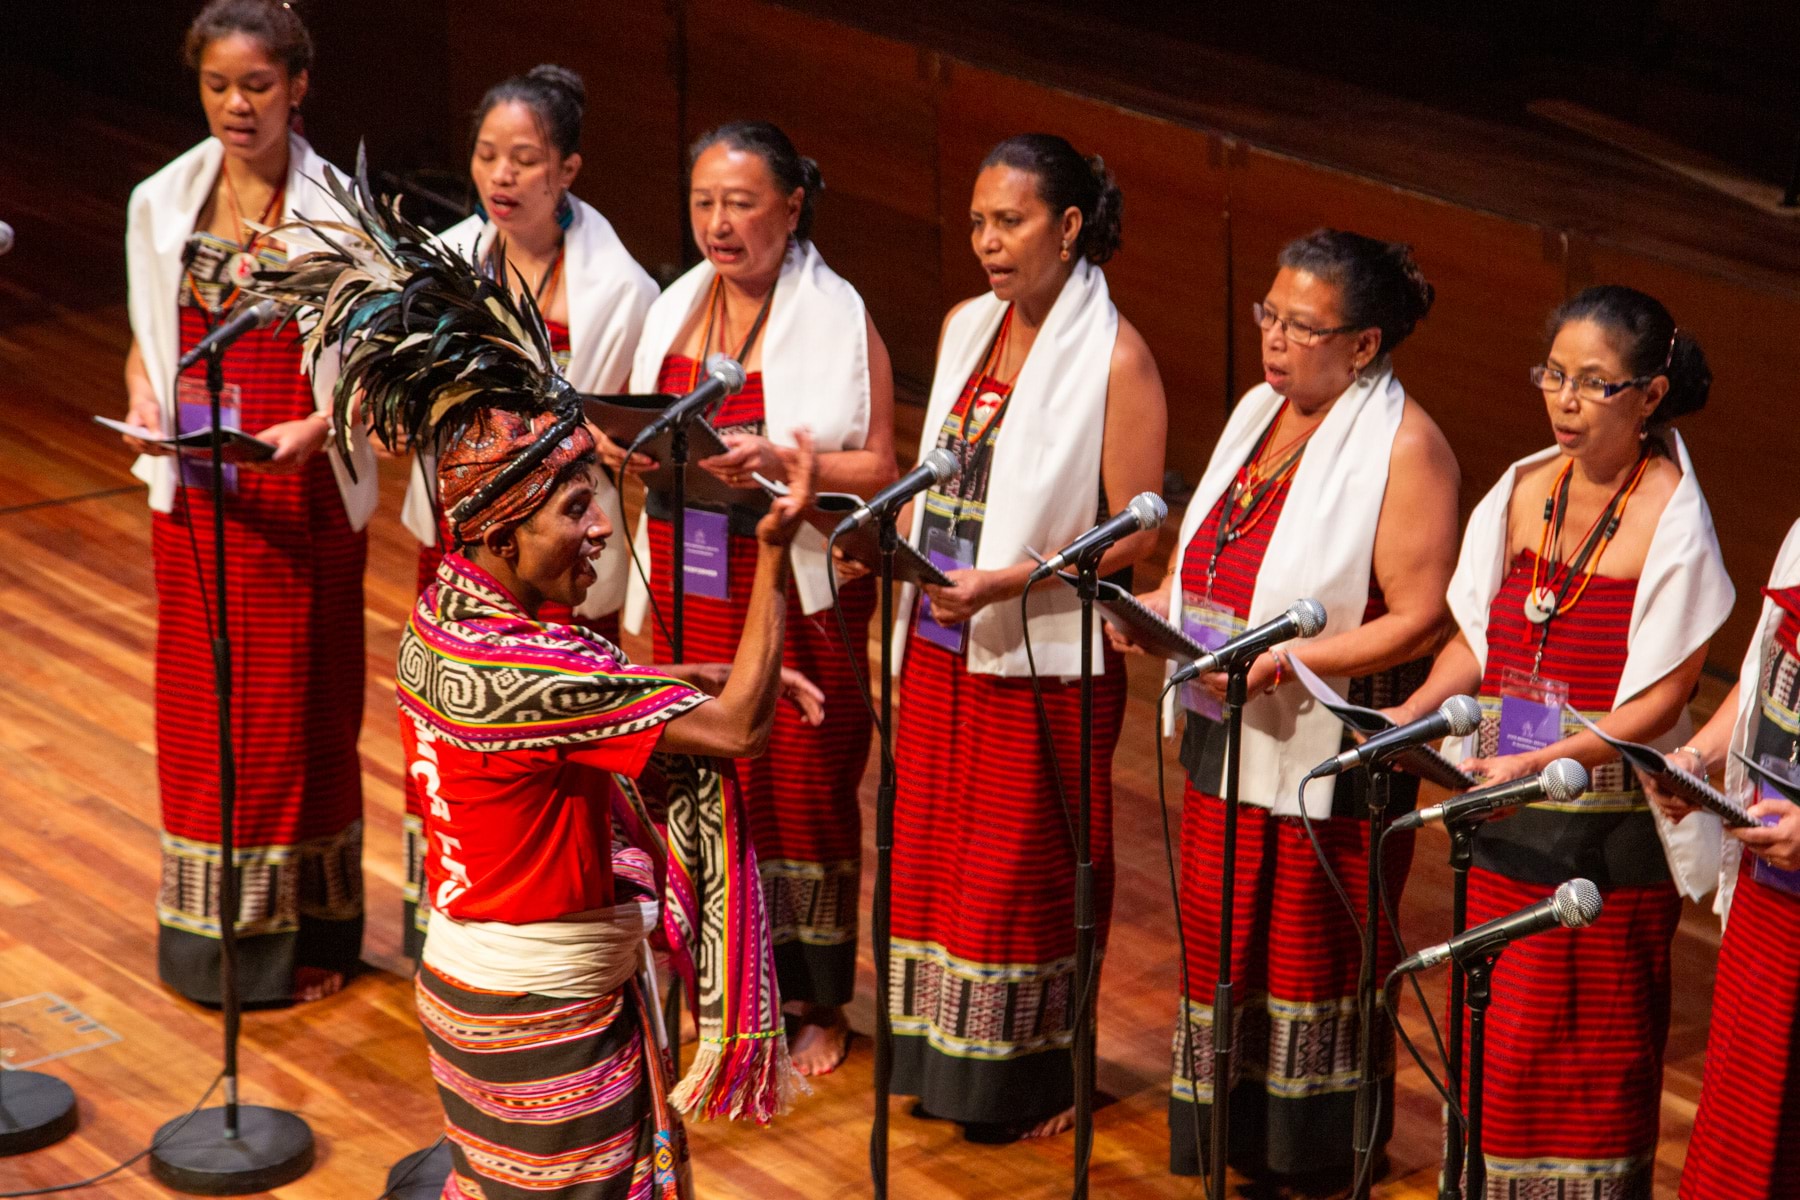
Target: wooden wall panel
(1169,278)
(864,108)
(627,54)
(1496,282)
(1746,441)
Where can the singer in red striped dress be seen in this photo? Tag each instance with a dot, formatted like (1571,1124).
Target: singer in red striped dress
(1746,1141)
(1590,578)
(1330,431)
(1052,404)
(764,295)
(294,560)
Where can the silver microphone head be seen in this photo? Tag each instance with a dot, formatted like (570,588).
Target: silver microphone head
(941,462)
(1576,903)
(1463,714)
(727,370)
(1564,780)
(1309,617)
(1149,509)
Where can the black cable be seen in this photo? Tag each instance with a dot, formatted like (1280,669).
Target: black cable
(1187,1027)
(1437,1037)
(1043,714)
(631,549)
(418,1162)
(155,1144)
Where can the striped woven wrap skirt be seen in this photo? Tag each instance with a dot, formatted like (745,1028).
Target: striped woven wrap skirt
(982,993)
(803,794)
(1746,1139)
(1575,1032)
(1295,961)
(415,897)
(546,1097)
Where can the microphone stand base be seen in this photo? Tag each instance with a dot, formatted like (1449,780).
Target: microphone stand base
(35,1111)
(272,1148)
(421,1174)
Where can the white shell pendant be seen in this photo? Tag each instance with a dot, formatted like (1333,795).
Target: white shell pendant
(241,269)
(1540,605)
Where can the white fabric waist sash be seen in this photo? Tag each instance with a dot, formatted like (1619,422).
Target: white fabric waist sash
(577,960)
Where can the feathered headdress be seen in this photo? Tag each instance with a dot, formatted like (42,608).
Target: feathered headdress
(426,336)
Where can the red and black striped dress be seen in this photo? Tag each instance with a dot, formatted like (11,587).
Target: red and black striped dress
(1579,1017)
(295,600)
(1295,956)
(983,941)
(802,794)
(416,902)
(1746,1141)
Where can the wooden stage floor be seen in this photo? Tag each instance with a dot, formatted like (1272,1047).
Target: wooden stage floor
(79,867)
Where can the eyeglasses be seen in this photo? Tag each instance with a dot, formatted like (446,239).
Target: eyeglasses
(1590,388)
(1297,332)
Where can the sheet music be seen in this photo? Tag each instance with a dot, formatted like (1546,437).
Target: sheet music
(239,446)
(1422,761)
(1650,763)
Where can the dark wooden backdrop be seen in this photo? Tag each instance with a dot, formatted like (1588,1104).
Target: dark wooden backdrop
(1220,163)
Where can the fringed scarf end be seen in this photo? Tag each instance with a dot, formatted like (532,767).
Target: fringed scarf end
(750,1079)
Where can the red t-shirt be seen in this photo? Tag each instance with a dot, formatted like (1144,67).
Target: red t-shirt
(520,835)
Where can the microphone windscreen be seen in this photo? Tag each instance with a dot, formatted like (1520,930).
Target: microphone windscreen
(1576,903)
(941,462)
(1462,714)
(1564,780)
(1149,508)
(1309,617)
(727,370)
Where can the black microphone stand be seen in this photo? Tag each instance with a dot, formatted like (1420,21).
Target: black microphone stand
(1087,990)
(235,1149)
(1237,690)
(880,918)
(1367,1111)
(1478,993)
(1462,855)
(678,459)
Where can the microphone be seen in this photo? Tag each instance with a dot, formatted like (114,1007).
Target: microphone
(1574,906)
(1561,781)
(723,378)
(1146,511)
(932,471)
(1304,618)
(1458,717)
(244,318)
(6,237)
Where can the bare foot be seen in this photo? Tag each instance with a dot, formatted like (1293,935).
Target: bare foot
(316,983)
(1061,1123)
(822,1042)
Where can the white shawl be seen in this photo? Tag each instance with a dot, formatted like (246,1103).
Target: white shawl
(1683,596)
(608,293)
(1344,475)
(1044,486)
(815,369)
(1785,575)
(160,220)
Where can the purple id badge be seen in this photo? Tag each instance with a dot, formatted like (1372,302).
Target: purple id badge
(1531,712)
(946,554)
(193,414)
(706,567)
(1210,624)
(1776,877)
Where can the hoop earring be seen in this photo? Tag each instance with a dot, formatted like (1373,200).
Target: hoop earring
(565,212)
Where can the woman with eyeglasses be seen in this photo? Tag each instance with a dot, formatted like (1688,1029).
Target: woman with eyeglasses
(1328,482)
(525,156)
(1589,579)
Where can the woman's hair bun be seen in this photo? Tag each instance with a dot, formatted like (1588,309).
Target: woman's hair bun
(1648,341)
(561,77)
(1067,180)
(1379,283)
